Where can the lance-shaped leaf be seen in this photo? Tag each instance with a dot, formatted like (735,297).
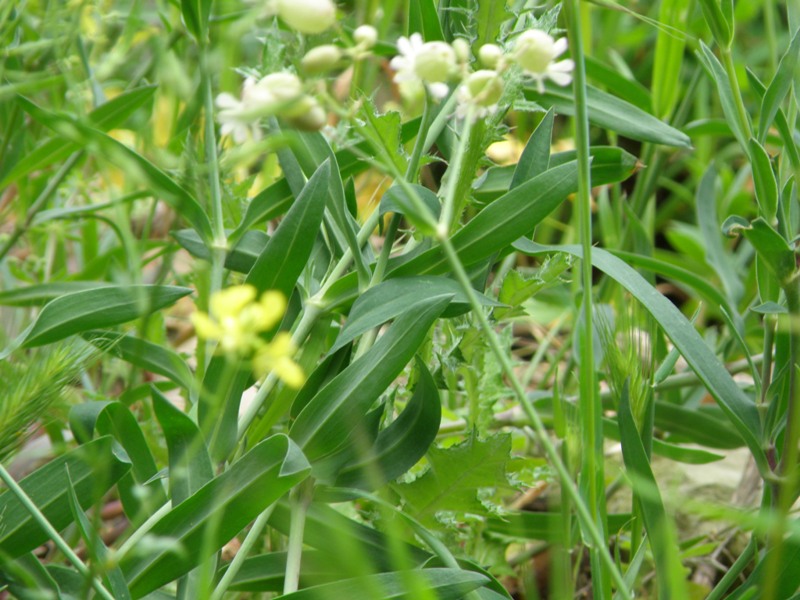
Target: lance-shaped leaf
(277,268)
(265,572)
(219,510)
(322,427)
(422,19)
(444,584)
(764,178)
(403,443)
(144,354)
(610,112)
(189,464)
(779,87)
(93,468)
(775,252)
(34,295)
(394,297)
(99,307)
(737,406)
(726,97)
(660,531)
(105,117)
(535,158)
(240,257)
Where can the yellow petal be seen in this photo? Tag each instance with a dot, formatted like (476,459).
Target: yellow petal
(230,301)
(273,305)
(289,372)
(204,326)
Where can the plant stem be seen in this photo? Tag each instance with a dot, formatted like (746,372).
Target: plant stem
(553,456)
(592,472)
(449,216)
(733,80)
(238,560)
(300,499)
(60,543)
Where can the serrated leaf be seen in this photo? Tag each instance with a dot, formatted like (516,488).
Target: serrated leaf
(454,476)
(384,132)
(98,307)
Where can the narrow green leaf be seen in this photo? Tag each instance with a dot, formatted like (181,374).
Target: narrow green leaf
(322,427)
(97,308)
(720,28)
(105,117)
(396,200)
(394,297)
(120,154)
(610,112)
(611,78)
(535,158)
(195,15)
(737,406)
(676,452)
(669,56)
(779,119)
(189,464)
(544,526)
(779,87)
(489,19)
(696,425)
(423,19)
(240,258)
(764,178)
(401,445)
(265,572)
(660,531)
(775,252)
(146,355)
(720,79)
(219,510)
(445,584)
(94,469)
(788,576)
(34,295)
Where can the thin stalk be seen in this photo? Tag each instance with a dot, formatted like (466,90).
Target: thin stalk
(550,450)
(448,217)
(300,499)
(60,543)
(592,471)
(39,203)
(733,80)
(142,531)
(247,545)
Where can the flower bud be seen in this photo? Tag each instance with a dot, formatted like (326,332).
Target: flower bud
(271,92)
(534,50)
(484,88)
(490,55)
(365,36)
(321,59)
(307,114)
(435,62)
(461,48)
(307,16)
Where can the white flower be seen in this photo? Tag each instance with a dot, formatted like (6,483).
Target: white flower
(307,16)
(234,120)
(430,63)
(479,94)
(535,50)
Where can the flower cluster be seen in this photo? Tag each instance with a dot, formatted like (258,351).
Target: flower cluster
(431,66)
(238,318)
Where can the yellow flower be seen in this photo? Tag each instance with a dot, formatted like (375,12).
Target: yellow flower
(237,321)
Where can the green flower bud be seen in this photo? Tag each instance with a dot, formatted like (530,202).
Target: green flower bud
(490,55)
(321,59)
(365,36)
(435,62)
(307,16)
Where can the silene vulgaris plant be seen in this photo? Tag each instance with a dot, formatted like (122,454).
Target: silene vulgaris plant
(429,299)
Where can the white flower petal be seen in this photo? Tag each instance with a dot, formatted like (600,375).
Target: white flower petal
(227,101)
(438,90)
(559,78)
(562,66)
(559,47)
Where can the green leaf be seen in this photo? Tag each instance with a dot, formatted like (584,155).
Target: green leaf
(324,424)
(113,578)
(614,78)
(146,355)
(120,154)
(403,443)
(716,256)
(423,19)
(265,572)
(787,577)
(267,204)
(240,258)
(489,19)
(277,268)
(739,409)
(97,308)
(396,200)
(384,130)
(219,510)
(34,295)
(389,299)
(195,15)
(545,526)
(94,469)
(660,531)
(445,584)
(697,425)
(535,158)
(189,464)
(105,117)
(776,254)
(779,87)
(609,112)
(116,420)
(764,178)
(720,27)
(720,78)
(455,475)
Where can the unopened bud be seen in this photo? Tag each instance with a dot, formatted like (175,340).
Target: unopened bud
(461,48)
(307,114)
(484,88)
(490,55)
(435,62)
(321,59)
(365,36)
(534,50)
(307,16)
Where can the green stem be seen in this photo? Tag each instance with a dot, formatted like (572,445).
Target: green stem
(60,543)
(592,471)
(300,499)
(449,215)
(568,486)
(247,545)
(734,571)
(733,80)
